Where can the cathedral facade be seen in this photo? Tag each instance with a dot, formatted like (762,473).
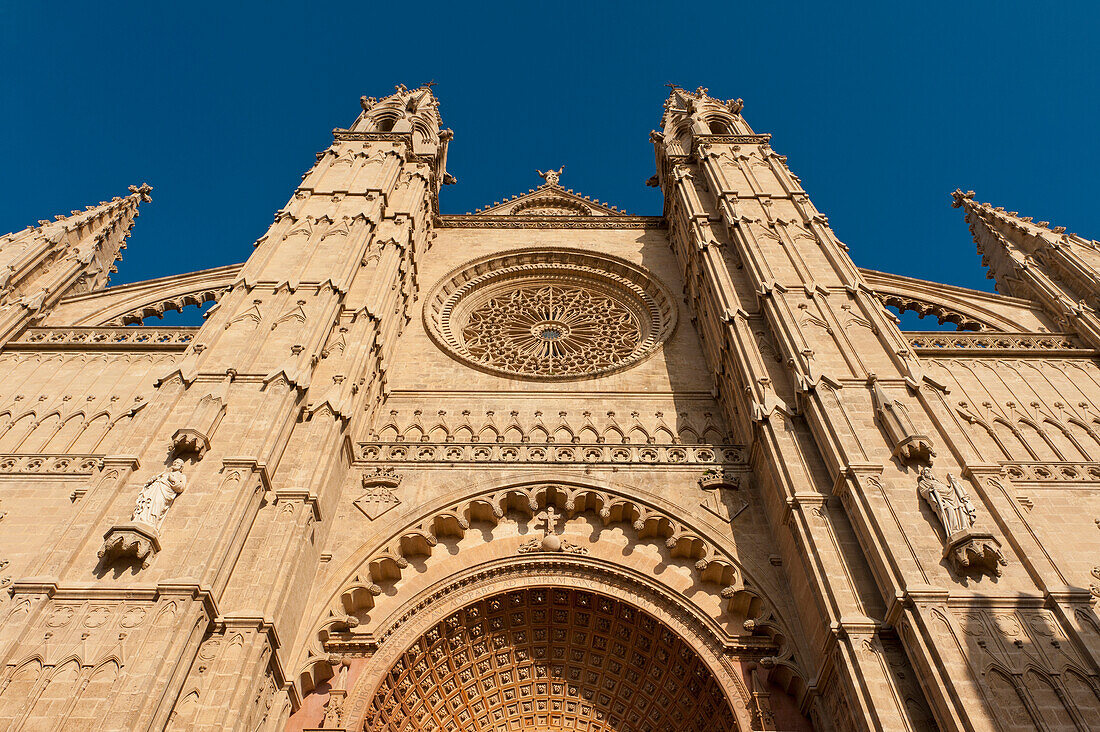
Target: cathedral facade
(548,465)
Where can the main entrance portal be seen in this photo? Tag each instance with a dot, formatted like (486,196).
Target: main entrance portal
(550,659)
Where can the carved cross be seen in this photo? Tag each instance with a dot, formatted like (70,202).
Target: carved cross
(549,519)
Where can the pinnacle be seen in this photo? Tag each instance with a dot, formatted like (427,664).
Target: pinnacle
(1011,218)
(77,218)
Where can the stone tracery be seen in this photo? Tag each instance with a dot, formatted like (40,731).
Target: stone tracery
(551,330)
(549,314)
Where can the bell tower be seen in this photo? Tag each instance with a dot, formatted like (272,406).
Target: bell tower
(843,417)
(254,416)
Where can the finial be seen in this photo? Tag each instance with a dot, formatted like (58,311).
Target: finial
(959,197)
(428,85)
(143,191)
(551,176)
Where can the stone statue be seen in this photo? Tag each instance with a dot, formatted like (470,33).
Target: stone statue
(158,495)
(964,548)
(551,176)
(950,502)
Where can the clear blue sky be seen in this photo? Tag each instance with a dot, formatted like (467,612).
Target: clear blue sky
(882,110)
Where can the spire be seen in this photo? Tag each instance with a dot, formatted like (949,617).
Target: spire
(1002,234)
(71,254)
(1031,259)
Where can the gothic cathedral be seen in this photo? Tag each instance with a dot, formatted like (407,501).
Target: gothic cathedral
(548,465)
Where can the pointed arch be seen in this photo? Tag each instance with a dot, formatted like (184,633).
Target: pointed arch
(1048,702)
(96,697)
(1085,696)
(40,436)
(1035,439)
(989,447)
(66,435)
(17,433)
(183,716)
(54,701)
(1085,437)
(1008,706)
(94,431)
(1011,441)
(1064,443)
(588,434)
(564,435)
(19,691)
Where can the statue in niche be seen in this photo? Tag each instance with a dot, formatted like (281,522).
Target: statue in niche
(950,502)
(158,495)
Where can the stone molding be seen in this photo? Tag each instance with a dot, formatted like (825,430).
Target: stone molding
(549,453)
(1058,473)
(424,611)
(65,464)
(132,338)
(997,345)
(475,221)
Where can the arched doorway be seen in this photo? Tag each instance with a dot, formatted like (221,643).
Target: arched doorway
(547,659)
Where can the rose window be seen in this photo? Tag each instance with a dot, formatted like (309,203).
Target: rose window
(550,315)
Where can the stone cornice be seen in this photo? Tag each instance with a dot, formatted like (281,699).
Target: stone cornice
(474,221)
(341,135)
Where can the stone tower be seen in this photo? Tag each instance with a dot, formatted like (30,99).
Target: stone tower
(548,465)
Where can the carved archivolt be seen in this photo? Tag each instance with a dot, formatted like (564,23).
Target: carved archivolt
(549,314)
(383,568)
(649,524)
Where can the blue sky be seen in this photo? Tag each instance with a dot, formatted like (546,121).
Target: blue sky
(882,109)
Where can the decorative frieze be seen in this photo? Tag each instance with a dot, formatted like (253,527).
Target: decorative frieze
(1051,472)
(50,464)
(996,344)
(473,221)
(105,338)
(572,454)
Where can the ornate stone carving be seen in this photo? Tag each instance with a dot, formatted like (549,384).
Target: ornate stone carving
(106,339)
(195,436)
(138,539)
(995,344)
(580,453)
(379,496)
(909,445)
(963,547)
(550,541)
(551,176)
(49,464)
(549,315)
(542,658)
(133,540)
(713,481)
(158,495)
